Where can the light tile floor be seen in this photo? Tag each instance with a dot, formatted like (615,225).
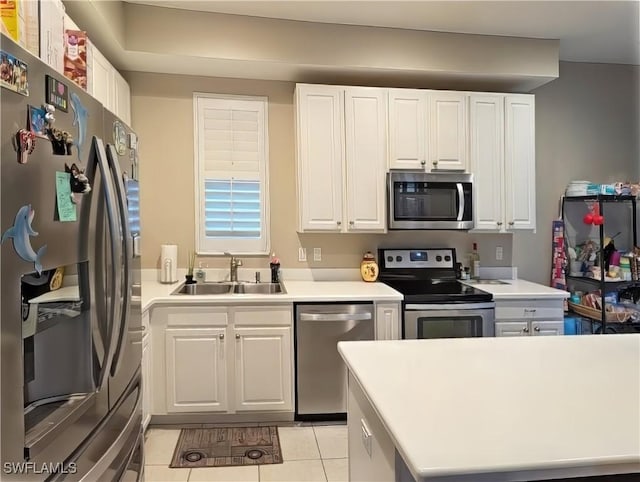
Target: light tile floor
(316,453)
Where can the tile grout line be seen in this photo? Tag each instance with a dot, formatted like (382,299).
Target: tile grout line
(320,453)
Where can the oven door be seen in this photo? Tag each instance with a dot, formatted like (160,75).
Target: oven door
(449,320)
(430,201)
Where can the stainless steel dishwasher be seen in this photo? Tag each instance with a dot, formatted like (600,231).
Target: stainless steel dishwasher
(321,375)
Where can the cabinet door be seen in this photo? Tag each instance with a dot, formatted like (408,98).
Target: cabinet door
(486,127)
(264,372)
(520,162)
(122,101)
(512,328)
(52,34)
(196,369)
(547,328)
(147,374)
(366,158)
(101,84)
(320,157)
(447,131)
(388,321)
(407,129)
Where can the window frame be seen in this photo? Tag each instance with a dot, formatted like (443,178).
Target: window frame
(208,246)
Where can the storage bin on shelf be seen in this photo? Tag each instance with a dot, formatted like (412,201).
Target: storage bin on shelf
(616,316)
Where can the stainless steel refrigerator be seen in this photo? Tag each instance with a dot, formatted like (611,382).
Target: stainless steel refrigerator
(70,326)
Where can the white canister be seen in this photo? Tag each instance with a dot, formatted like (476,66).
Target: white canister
(168,263)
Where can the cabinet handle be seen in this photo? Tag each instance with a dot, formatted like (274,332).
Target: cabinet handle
(221,336)
(526,330)
(537,328)
(422,163)
(339,223)
(237,336)
(499,223)
(435,163)
(351,223)
(511,223)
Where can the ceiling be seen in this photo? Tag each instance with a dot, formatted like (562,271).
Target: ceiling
(588,31)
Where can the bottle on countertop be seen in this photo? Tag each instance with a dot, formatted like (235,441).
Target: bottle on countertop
(474,261)
(275,268)
(200,274)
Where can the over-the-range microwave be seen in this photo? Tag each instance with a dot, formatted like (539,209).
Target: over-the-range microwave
(421,200)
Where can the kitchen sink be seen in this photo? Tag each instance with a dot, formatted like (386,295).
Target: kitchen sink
(481,281)
(229,288)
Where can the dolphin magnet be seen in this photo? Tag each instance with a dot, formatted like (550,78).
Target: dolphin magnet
(20,232)
(80,115)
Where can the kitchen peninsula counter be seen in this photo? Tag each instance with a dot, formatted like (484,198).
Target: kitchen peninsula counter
(494,409)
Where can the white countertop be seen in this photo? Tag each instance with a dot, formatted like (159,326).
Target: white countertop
(519,289)
(154,292)
(521,407)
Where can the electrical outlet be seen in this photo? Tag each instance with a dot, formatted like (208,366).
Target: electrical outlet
(302,254)
(498,253)
(317,254)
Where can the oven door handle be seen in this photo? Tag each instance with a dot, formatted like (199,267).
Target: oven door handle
(449,306)
(460,201)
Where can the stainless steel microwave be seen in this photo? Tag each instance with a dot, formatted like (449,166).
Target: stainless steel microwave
(421,200)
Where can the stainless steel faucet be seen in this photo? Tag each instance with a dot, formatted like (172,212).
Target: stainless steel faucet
(233,267)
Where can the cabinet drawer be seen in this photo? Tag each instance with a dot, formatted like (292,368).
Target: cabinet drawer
(263,315)
(197,316)
(529,309)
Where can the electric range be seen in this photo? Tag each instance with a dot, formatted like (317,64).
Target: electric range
(436,304)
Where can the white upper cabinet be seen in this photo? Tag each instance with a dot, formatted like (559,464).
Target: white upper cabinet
(366,158)
(448,130)
(122,100)
(520,161)
(320,153)
(502,152)
(342,158)
(486,129)
(428,130)
(407,128)
(52,34)
(100,77)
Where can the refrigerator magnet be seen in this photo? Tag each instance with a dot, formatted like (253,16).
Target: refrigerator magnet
(57,93)
(24,144)
(37,121)
(119,138)
(80,115)
(21,233)
(13,74)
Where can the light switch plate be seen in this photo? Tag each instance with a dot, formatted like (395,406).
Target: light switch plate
(317,254)
(302,254)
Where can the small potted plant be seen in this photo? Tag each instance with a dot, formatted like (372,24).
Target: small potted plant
(191,261)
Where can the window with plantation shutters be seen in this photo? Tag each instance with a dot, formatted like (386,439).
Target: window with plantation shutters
(231,166)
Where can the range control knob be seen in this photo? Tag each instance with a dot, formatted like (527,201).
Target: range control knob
(447,258)
(438,258)
(398,258)
(390,259)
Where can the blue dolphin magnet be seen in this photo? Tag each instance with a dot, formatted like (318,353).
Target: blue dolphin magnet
(20,232)
(80,115)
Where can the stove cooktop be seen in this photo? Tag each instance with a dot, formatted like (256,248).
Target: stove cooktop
(427,276)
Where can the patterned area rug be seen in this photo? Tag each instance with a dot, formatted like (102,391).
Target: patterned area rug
(226,446)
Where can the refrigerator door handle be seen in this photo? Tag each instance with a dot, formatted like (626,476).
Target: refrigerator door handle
(116,254)
(125,297)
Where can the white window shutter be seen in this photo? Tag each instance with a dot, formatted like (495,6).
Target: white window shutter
(231,170)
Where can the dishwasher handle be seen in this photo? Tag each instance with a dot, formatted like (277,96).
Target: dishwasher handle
(335,316)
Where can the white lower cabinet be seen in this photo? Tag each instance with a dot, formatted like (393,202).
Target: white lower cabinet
(196,369)
(529,317)
(263,368)
(223,359)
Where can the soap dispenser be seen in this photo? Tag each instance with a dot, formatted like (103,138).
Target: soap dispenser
(200,274)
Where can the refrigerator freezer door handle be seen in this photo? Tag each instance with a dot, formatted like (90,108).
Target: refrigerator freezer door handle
(123,322)
(116,252)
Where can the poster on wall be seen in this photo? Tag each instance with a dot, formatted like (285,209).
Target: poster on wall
(9,18)
(13,74)
(75,57)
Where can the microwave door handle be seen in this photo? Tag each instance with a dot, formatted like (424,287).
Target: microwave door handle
(460,201)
